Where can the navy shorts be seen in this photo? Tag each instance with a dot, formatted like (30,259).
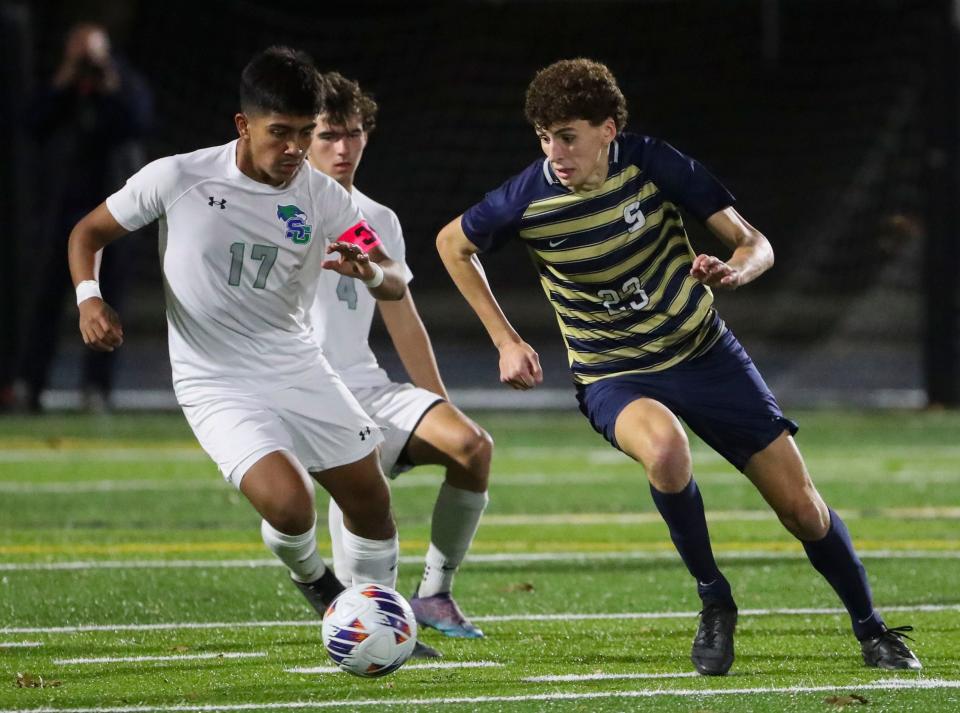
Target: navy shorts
(720,395)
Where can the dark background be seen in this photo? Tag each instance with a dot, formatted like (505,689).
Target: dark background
(834,123)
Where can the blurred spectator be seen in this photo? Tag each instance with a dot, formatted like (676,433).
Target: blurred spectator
(88,123)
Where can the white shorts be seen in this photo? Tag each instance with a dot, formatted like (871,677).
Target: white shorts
(315,418)
(397,409)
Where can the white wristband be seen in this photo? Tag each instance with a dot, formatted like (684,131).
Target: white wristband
(88,289)
(377,278)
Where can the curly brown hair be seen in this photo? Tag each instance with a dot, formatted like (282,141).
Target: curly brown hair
(573,89)
(344,99)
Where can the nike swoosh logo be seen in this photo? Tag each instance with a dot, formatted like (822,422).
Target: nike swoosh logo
(555,243)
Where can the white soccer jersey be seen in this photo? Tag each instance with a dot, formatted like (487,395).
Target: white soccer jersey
(240,262)
(342,311)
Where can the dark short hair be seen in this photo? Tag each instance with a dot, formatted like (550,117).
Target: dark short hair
(281,80)
(343,99)
(574,89)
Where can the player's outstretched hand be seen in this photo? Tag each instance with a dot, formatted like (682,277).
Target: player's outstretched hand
(100,325)
(714,272)
(348,260)
(520,366)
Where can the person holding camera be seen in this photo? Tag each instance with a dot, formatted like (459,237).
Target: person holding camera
(88,122)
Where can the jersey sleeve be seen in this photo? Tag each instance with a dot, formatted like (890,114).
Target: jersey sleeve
(146,194)
(685,181)
(339,211)
(493,221)
(396,248)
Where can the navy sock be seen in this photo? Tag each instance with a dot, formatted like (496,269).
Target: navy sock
(683,513)
(834,558)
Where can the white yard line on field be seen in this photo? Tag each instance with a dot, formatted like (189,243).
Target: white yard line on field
(415,480)
(895,684)
(608,677)
(109,486)
(174,657)
(701,456)
(113,455)
(407,667)
(20,644)
(796,611)
(432,480)
(477,559)
(639,518)
(85,628)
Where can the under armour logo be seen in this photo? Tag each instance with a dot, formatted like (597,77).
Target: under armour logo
(222,203)
(364,432)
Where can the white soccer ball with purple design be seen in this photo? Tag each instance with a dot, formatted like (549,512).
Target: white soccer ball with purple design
(369,630)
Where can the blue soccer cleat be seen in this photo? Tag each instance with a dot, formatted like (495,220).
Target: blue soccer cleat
(441,612)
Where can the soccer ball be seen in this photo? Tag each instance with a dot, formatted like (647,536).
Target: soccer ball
(369,630)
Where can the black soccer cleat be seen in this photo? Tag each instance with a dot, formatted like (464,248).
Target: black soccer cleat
(320,592)
(887,651)
(712,652)
(422,651)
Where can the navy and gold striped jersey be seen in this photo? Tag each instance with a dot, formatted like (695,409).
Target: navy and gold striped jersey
(615,261)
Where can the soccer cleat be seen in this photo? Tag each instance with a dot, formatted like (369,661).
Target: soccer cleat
(320,592)
(441,612)
(422,651)
(712,652)
(887,651)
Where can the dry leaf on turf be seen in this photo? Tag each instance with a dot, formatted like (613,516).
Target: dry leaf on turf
(519,587)
(842,701)
(32,680)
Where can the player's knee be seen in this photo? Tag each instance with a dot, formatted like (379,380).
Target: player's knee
(480,451)
(806,518)
(666,458)
(473,451)
(369,508)
(291,513)
(372,519)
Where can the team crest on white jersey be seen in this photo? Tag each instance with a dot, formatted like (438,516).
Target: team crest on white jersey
(634,217)
(295,223)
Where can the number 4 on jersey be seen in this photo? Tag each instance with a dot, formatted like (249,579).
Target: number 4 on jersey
(347,291)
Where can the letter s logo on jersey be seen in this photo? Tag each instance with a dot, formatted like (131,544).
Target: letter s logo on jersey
(634,217)
(296,226)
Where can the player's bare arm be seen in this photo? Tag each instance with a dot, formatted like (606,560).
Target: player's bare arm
(412,343)
(752,253)
(519,363)
(350,260)
(99,324)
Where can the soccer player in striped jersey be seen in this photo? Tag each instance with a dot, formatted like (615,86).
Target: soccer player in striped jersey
(419,424)
(600,216)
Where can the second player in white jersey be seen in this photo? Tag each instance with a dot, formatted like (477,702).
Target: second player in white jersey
(418,423)
(342,315)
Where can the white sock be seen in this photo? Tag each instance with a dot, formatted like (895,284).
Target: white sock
(456,517)
(335,524)
(370,560)
(298,552)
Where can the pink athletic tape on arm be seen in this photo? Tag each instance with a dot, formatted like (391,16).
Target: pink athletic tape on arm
(361,235)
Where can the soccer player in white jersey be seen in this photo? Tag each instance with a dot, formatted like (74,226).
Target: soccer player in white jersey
(246,229)
(419,424)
